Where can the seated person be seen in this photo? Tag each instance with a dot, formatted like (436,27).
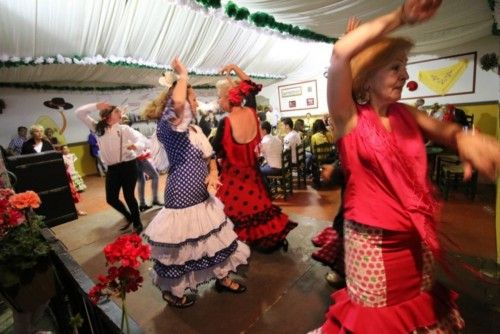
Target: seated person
(271,150)
(320,136)
(292,138)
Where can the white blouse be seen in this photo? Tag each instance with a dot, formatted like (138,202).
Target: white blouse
(115,140)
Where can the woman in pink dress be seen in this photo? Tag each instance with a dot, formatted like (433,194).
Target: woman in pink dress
(390,234)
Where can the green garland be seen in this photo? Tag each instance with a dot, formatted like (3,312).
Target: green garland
(209,3)
(84,88)
(54,61)
(261,19)
(494,28)
(70,88)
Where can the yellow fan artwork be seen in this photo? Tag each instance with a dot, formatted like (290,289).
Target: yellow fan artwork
(442,80)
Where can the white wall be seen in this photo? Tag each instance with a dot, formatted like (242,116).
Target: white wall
(487,83)
(25,107)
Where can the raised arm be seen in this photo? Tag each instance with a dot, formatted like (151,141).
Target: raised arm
(340,78)
(179,94)
(83,114)
(226,70)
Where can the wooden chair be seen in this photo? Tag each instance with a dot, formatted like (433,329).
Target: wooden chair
(322,154)
(300,167)
(282,184)
(451,176)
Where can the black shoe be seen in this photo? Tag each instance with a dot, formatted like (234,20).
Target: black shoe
(126,226)
(174,301)
(144,207)
(138,229)
(221,287)
(157,203)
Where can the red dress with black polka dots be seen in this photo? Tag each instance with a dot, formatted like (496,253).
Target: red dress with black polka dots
(256,220)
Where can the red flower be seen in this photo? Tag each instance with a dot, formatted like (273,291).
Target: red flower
(128,251)
(235,97)
(27,199)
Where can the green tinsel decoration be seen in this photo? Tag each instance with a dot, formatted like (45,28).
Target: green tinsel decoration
(242,14)
(258,18)
(70,88)
(231,9)
(209,3)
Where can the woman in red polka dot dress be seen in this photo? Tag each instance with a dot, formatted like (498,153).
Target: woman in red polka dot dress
(256,220)
(390,238)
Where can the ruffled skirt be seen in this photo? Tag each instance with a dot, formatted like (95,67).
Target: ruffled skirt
(390,287)
(192,246)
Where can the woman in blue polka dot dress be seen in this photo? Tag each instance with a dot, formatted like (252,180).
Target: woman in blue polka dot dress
(191,238)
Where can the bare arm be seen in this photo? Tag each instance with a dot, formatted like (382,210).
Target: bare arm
(339,84)
(475,150)
(83,114)
(179,93)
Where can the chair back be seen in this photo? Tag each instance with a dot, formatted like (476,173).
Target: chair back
(323,153)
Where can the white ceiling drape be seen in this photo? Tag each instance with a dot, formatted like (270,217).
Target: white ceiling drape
(154,31)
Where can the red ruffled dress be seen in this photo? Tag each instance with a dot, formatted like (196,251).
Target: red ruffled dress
(256,220)
(390,234)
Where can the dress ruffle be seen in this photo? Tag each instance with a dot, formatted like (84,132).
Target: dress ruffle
(175,227)
(193,279)
(193,245)
(423,311)
(264,224)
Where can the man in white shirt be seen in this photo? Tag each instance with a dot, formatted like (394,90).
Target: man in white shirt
(292,138)
(271,149)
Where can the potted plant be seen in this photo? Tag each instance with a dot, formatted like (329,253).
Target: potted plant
(26,275)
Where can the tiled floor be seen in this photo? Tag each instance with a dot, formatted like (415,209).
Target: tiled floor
(287,292)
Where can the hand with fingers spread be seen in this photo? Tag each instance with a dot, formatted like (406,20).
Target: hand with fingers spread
(480,152)
(416,11)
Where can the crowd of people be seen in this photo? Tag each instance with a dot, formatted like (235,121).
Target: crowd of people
(217,207)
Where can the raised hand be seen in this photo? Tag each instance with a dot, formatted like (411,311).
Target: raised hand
(352,24)
(103,105)
(178,67)
(226,70)
(415,11)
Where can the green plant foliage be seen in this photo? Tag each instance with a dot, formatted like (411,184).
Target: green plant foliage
(489,61)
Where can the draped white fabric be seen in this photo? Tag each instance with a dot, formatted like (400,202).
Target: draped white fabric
(157,30)
(457,21)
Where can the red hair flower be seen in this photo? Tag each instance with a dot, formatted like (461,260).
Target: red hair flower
(235,97)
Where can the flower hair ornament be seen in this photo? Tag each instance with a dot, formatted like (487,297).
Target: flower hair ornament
(167,79)
(243,89)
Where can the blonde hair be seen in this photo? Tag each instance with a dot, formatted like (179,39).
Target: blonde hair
(154,109)
(224,85)
(370,60)
(36,127)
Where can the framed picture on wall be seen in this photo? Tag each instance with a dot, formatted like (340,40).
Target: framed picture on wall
(298,96)
(451,75)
